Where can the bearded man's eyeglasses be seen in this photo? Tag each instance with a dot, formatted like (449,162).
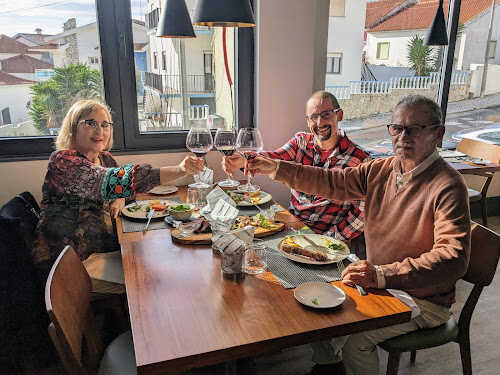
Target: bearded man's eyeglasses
(325,115)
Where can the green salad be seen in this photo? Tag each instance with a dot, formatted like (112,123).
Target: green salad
(180,207)
(335,246)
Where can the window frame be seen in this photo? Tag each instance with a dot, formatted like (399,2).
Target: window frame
(492,51)
(379,44)
(118,72)
(329,55)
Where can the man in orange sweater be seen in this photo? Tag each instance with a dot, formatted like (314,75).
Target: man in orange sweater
(417,228)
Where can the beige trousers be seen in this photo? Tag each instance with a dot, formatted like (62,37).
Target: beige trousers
(359,350)
(106,272)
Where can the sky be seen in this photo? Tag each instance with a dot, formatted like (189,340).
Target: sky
(49,15)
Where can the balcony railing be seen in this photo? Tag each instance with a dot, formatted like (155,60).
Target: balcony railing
(196,83)
(152,19)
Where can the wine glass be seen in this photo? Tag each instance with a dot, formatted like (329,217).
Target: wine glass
(225,142)
(199,142)
(249,143)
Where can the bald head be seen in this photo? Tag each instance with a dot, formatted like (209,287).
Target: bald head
(324,95)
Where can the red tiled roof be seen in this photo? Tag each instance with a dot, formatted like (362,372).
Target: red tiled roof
(45,46)
(9,45)
(139,46)
(23,64)
(421,14)
(35,38)
(375,10)
(9,79)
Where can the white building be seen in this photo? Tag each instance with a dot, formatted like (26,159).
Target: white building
(345,42)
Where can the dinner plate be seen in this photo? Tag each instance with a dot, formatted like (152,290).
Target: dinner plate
(143,212)
(319,295)
(263,198)
(163,189)
(320,240)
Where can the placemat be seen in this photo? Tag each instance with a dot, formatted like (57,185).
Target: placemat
(137,225)
(291,274)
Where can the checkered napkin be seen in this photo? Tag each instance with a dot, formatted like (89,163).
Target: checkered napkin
(137,225)
(291,274)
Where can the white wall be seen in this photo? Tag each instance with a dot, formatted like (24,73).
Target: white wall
(15,97)
(477,35)
(397,49)
(492,79)
(345,35)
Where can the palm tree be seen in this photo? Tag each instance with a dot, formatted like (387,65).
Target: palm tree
(52,98)
(421,57)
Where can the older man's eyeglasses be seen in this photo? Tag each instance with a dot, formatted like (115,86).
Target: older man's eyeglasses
(325,115)
(412,130)
(92,125)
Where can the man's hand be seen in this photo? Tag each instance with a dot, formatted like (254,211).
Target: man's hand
(115,207)
(229,163)
(191,165)
(362,273)
(261,165)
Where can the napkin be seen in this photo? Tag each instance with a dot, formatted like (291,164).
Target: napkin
(214,197)
(235,241)
(407,300)
(207,176)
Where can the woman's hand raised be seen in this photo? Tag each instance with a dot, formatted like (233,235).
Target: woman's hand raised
(191,165)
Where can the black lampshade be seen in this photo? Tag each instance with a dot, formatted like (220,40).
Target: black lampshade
(230,13)
(437,34)
(175,21)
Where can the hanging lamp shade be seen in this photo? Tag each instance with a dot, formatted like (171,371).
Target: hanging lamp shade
(229,13)
(437,34)
(175,21)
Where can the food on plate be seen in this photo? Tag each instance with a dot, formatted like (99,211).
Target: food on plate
(158,206)
(202,225)
(291,247)
(134,208)
(254,194)
(315,301)
(156,201)
(180,207)
(257,221)
(332,245)
(255,200)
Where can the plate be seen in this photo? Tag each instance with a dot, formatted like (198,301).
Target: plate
(163,189)
(319,295)
(143,214)
(320,240)
(264,198)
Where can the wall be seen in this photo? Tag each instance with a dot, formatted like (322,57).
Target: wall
(492,79)
(397,49)
(345,35)
(15,97)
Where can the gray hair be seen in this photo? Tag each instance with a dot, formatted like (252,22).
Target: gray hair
(325,95)
(436,114)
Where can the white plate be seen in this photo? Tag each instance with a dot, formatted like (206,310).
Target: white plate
(320,240)
(143,214)
(319,295)
(163,189)
(264,198)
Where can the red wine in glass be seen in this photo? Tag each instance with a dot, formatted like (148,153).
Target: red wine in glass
(225,142)
(199,142)
(227,150)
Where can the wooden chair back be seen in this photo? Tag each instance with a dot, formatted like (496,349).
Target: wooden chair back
(73,330)
(478,149)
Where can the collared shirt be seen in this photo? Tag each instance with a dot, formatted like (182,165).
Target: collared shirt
(331,217)
(402,179)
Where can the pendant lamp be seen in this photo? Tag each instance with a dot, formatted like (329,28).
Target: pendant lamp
(175,21)
(229,13)
(437,34)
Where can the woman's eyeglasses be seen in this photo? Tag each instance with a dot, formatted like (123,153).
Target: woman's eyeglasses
(325,115)
(92,124)
(412,130)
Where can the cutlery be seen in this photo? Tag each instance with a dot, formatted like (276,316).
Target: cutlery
(352,258)
(150,215)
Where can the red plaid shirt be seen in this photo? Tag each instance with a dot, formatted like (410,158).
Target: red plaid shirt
(323,215)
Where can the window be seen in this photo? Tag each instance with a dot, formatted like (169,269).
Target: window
(493,47)
(151,110)
(383,51)
(337,8)
(333,63)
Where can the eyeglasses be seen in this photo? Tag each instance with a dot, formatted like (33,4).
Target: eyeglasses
(92,124)
(412,130)
(325,115)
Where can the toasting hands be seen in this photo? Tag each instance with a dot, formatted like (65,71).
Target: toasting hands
(191,165)
(229,163)
(261,165)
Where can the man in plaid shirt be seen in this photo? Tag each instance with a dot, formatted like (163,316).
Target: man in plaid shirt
(326,146)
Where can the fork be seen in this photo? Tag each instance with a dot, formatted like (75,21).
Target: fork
(341,267)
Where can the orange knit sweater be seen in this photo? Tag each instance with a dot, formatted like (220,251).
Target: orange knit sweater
(419,234)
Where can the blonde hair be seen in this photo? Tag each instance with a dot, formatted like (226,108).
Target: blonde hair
(82,108)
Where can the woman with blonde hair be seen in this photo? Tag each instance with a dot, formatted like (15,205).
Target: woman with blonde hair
(84,189)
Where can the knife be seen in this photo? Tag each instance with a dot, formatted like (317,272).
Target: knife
(150,215)
(355,258)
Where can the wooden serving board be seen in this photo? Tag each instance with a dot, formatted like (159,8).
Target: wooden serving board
(206,238)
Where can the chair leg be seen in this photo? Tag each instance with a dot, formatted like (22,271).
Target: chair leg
(484,211)
(393,363)
(413,356)
(465,355)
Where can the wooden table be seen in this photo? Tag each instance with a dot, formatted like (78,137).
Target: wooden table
(184,314)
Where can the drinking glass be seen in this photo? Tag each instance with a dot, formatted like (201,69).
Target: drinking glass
(249,143)
(225,142)
(193,197)
(199,142)
(255,258)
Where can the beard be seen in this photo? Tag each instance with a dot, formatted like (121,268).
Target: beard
(324,136)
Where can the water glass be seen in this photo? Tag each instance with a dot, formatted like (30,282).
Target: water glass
(231,264)
(256,258)
(193,197)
